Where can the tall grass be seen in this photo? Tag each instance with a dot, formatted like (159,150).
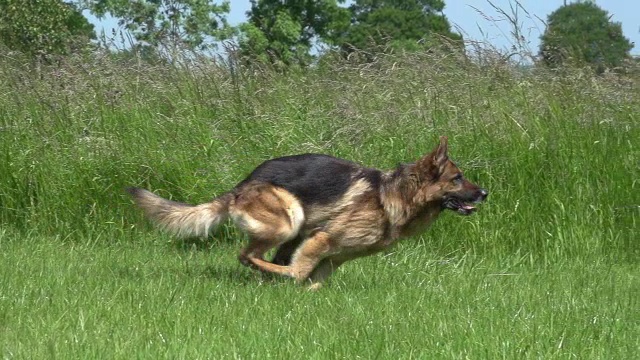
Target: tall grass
(547,268)
(559,154)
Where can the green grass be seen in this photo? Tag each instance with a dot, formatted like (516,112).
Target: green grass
(548,268)
(146,300)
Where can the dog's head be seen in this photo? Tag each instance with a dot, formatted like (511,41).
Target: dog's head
(440,180)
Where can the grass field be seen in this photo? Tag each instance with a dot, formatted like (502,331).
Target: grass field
(549,267)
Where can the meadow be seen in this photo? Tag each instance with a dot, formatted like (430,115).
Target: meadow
(549,267)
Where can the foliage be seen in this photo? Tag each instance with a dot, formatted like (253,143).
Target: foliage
(583,32)
(283,32)
(402,24)
(169,25)
(42,27)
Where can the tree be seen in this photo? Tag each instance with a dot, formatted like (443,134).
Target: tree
(583,32)
(168,25)
(283,32)
(41,27)
(407,24)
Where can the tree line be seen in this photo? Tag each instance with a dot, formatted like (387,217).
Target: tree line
(283,32)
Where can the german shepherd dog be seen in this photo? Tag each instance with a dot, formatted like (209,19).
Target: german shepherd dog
(320,211)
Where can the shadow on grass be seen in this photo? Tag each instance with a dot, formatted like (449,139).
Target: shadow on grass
(220,273)
(221,237)
(205,245)
(240,275)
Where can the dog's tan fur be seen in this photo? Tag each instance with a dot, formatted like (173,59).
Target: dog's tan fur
(364,220)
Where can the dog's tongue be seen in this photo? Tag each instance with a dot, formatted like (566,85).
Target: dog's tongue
(467,207)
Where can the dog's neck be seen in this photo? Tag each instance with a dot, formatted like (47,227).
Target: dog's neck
(397,191)
(405,215)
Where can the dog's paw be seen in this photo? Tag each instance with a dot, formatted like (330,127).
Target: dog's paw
(244,260)
(315,286)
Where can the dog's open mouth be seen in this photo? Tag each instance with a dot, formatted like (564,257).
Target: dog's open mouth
(458,206)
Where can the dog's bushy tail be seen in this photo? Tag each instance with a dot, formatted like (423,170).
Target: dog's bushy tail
(183,220)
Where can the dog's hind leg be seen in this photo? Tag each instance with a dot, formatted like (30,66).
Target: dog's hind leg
(304,261)
(256,248)
(285,252)
(270,216)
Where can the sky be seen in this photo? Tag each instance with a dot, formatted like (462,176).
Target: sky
(477,20)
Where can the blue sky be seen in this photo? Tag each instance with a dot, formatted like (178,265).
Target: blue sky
(477,20)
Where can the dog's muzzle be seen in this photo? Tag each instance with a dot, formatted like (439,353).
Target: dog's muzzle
(463,206)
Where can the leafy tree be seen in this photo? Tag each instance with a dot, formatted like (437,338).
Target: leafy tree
(41,27)
(283,32)
(583,31)
(407,24)
(168,25)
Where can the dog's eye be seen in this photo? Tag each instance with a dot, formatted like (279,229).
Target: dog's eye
(457,178)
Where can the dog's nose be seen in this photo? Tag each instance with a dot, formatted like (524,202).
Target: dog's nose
(483,194)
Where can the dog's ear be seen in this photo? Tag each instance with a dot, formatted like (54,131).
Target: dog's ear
(441,156)
(432,165)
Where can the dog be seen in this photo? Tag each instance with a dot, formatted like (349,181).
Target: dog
(320,211)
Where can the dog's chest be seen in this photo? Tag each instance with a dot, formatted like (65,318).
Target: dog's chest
(418,224)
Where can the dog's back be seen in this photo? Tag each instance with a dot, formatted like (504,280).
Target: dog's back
(312,178)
